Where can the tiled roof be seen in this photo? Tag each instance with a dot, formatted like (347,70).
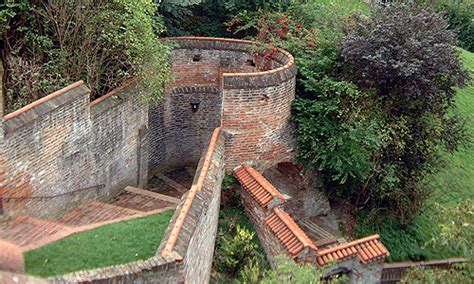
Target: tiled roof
(368,249)
(288,232)
(257,186)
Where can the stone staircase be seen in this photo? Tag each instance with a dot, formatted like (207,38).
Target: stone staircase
(29,233)
(25,230)
(321,237)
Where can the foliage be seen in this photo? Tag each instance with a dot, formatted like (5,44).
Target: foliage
(452,184)
(235,251)
(249,268)
(49,44)
(287,271)
(209,17)
(107,245)
(460,15)
(413,81)
(456,230)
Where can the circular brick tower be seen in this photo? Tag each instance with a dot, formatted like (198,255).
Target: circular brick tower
(218,77)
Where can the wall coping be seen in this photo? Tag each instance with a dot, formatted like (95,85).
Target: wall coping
(111,93)
(42,100)
(259,79)
(195,188)
(44,105)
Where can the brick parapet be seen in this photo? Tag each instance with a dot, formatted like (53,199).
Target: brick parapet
(193,227)
(285,68)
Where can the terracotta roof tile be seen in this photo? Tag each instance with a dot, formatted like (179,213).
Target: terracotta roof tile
(257,186)
(288,232)
(368,249)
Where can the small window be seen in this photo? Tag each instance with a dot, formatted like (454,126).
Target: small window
(197,57)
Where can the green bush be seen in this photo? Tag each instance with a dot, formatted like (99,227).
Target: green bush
(413,83)
(234,252)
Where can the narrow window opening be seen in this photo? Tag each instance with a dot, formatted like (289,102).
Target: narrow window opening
(197,58)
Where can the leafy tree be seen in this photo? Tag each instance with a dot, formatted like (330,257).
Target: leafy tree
(209,17)
(49,44)
(404,56)
(459,14)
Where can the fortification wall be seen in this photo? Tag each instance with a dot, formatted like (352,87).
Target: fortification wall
(62,143)
(186,251)
(177,132)
(252,107)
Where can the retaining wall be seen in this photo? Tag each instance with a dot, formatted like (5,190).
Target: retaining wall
(186,251)
(62,143)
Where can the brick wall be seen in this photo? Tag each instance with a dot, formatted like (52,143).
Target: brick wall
(177,133)
(257,214)
(63,143)
(257,125)
(199,212)
(253,107)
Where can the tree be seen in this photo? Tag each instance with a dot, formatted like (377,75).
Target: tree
(405,57)
(51,43)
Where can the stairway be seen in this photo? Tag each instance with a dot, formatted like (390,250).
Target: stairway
(30,233)
(24,230)
(319,235)
(173,182)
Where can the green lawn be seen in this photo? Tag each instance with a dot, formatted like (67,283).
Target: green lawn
(455,182)
(104,246)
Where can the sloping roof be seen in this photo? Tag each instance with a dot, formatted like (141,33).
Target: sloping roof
(257,186)
(288,232)
(368,249)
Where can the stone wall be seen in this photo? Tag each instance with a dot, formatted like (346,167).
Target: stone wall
(62,143)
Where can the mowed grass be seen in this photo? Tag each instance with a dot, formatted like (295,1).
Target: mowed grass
(452,184)
(104,246)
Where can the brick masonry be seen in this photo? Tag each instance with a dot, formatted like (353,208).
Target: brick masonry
(64,142)
(257,214)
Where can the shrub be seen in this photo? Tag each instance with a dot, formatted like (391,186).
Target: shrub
(287,271)
(234,252)
(460,15)
(405,57)
(49,44)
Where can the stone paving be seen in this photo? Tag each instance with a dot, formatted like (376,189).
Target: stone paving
(29,233)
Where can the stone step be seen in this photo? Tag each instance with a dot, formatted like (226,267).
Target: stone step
(315,229)
(175,185)
(95,212)
(148,193)
(26,230)
(140,202)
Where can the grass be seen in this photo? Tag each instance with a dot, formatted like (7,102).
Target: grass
(108,245)
(453,183)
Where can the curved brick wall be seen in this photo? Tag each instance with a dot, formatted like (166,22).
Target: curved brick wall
(253,108)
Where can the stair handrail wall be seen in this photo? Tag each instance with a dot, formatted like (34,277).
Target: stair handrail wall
(394,272)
